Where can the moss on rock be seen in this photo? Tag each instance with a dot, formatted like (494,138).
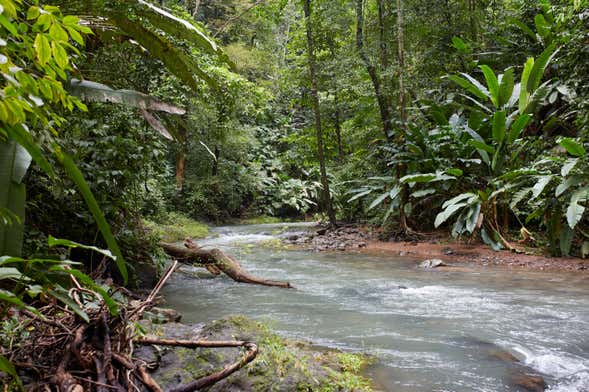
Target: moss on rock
(281,365)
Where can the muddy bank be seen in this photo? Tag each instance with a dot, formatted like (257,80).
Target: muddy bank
(440,247)
(479,255)
(280,365)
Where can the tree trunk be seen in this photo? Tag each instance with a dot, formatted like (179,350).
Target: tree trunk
(181,158)
(216,261)
(338,128)
(381,98)
(317,110)
(401,54)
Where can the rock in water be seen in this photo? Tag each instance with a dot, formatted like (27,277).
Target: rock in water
(432,263)
(529,383)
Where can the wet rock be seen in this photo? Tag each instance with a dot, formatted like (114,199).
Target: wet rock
(164,315)
(529,383)
(432,263)
(292,366)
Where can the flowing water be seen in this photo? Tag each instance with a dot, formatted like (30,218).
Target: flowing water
(431,330)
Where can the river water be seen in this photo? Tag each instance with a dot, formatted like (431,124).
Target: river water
(430,330)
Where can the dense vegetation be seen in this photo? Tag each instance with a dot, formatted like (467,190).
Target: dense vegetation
(121,117)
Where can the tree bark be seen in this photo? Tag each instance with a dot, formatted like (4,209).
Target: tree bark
(381,98)
(317,109)
(216,259)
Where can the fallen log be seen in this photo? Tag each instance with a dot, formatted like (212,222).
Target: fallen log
(215,259)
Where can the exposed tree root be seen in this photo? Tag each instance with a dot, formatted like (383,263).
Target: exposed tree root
(75,356)
(215,258)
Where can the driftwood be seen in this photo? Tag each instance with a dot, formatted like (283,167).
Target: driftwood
(216,261)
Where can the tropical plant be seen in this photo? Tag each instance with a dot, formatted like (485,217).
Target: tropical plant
(555,189)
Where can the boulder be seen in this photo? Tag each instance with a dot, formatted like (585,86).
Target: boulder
(432,263)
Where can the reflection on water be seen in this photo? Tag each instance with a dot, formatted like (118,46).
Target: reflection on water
(430,329)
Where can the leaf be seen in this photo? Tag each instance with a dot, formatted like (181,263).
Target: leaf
(454,172)
(492,84)
(447,213)
(156,124)
(568,166)
(52,241)
(8,368)
(524,94)
(564,186)
(21,135)
(76,176)
(423,192)
(496,246)
(42,48)
(63,296)
(14,161)
(175,59)
(469,86)
(499,119)
(473,217)
(542,27)
(378,200)
(57,33)
(506,87)
(359,195)
(456,199)
(575,211)
(482,146)
(9,273)
(460,45)
(540,185)
(89,282)
(97,92)
(517,128)
(537,71)
(572,146)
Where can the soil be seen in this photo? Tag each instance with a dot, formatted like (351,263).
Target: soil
(478,254)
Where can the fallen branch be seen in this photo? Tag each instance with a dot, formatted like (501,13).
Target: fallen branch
(191,254)
(206,381)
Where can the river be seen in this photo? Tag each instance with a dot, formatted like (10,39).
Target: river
(430,330)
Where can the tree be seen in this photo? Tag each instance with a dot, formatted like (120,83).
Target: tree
(317,111)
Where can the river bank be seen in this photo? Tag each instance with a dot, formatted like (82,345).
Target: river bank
(455,253)
(430,329)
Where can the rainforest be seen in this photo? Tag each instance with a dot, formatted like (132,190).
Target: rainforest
(294,195)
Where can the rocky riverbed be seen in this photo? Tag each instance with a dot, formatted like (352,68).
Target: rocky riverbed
(281,365)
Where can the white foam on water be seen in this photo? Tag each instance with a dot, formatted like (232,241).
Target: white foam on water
(576,383)
(555,364)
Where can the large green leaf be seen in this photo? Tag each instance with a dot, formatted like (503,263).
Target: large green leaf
(492,84)
(524,93)
(537,71)
(8,368)
(471,85)
(378,200)
(175,26)
(174,58)
(447,213)
(97,92)
(14,161)
(76,176)
(517,127)
(575,210)
(572,146)
(506,87)
(498,121)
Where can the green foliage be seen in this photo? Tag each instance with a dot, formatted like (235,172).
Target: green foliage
(175,227)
